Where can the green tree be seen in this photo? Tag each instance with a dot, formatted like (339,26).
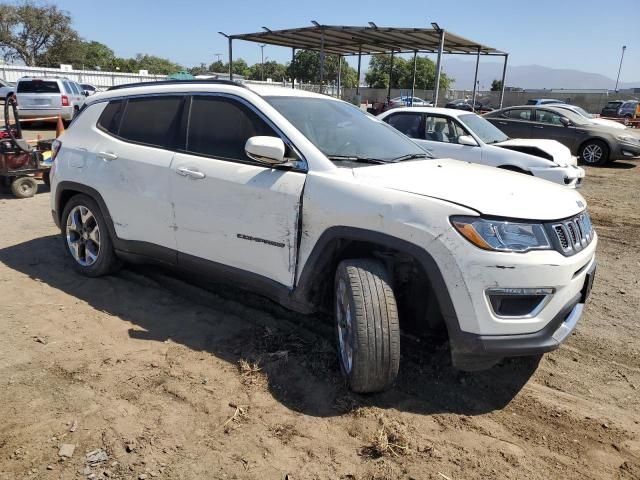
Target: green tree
(377,75)
(155,65)
(307,69)
(272,69)
(496,86)
(97,54)
(28,31)
(199,70)
(219,67)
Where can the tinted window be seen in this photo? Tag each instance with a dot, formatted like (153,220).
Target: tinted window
(518,113)
(76,88)
(220,127)
(152,121)
(86,86)
(111,116)
(67,87)
(38,86)
(407,123)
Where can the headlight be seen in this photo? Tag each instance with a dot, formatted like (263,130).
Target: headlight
(628,139)
(501,235)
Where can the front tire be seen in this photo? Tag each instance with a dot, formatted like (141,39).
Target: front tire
(86,238)
(24,187)
(367,325)
(594,153)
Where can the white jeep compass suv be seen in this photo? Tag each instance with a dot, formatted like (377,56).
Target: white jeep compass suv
(318,205)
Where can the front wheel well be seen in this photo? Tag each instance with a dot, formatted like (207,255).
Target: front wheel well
(418,307)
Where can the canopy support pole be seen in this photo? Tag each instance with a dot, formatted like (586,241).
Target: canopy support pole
(359,64)
(321,61)
(475,82)
(438,69)
(339,74)
(293,68)
(230,59)
(413,83)
(504,76)
(390,77)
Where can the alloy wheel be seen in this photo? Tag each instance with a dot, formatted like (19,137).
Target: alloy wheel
(592,153)
(345,326)
(83,236)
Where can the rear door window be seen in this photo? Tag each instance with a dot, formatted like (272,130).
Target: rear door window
(518,114)
(220,127)
(152,121)
(74,87)
(38,86)
(407,123)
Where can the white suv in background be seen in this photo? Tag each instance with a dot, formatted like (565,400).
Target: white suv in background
(48,97)
(310,201)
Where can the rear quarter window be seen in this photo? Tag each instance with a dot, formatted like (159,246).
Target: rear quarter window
(38,86)
(111,116)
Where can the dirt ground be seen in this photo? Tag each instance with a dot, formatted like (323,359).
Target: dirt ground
(176,381)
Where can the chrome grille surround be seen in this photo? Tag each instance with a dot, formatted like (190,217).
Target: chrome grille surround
(573,234)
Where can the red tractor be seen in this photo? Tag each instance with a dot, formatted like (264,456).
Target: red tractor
(20,163)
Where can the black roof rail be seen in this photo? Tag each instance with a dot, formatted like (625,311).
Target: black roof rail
(176,82)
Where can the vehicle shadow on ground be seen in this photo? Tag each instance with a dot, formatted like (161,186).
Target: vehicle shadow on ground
(620,165)
(295,352)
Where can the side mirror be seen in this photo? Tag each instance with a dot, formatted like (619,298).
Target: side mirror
(565,121)
(467,140)
(267,150)
(85,93)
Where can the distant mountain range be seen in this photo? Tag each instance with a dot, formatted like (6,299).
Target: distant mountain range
(527,76)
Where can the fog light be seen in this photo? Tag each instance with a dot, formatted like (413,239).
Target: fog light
(518,302)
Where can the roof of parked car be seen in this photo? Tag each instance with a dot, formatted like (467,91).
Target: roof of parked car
(451,112)
(200,86)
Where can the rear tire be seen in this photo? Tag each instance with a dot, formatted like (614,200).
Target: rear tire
(594,153)
(24,187)
(86,238)
(367,325)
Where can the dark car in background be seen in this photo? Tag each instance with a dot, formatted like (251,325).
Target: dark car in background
(620,109)
(469,106)
(595,145)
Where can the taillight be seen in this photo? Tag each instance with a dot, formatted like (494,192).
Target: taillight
(65,101)
(55,148)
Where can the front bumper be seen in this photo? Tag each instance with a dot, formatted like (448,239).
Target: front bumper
(625,150)
(571,176)
(469,346)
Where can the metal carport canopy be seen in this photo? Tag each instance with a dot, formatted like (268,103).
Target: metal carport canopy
(353,40)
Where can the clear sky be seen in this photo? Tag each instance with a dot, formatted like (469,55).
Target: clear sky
(579,34)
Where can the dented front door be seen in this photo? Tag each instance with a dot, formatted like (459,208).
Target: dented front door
(240,215)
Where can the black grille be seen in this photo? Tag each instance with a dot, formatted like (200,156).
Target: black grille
(573,234)
(564,243)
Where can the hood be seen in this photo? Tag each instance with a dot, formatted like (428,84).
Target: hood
(488,190)
(549,149)
(608,123)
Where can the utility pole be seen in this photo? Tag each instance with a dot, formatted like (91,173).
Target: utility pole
(262,64)
(624,47)
(218,56)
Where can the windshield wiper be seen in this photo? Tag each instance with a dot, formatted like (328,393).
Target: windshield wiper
(353,158)
(411,156)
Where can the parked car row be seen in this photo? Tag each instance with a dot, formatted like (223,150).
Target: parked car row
(312,202)
(469,137)
(594,144)
(620,109)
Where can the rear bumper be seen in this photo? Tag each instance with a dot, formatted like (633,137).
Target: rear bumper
(65,112)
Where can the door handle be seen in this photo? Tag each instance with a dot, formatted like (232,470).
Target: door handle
(537,126)
(186,172)
(502,123)
(107,156)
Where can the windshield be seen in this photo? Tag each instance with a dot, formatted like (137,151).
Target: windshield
(581,111)
(575,118)
(339,129)
(487,132)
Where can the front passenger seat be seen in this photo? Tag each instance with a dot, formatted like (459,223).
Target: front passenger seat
(438,134)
